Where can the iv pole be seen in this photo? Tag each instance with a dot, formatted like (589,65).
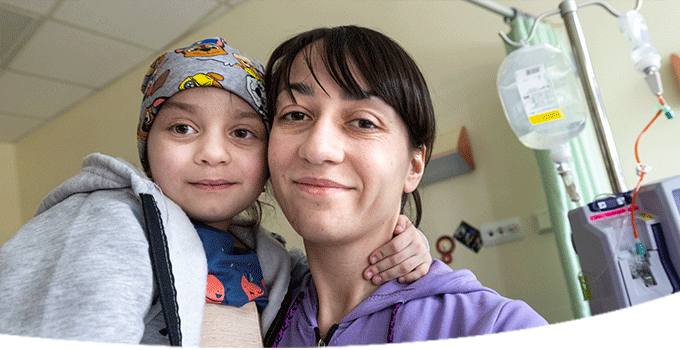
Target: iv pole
(568,10)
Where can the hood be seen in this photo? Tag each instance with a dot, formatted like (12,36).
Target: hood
(100,172)
(440,279)
(186,257)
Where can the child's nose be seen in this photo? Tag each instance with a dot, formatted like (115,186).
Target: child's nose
(213,150)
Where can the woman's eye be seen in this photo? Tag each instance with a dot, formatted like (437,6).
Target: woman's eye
(364,124)
(294,116)
(183,129)
(243,134)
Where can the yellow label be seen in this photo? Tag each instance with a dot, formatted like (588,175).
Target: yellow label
(585,287)
(546,117)
(646,216)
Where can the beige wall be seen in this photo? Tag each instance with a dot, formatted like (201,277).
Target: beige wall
(10,218)
(457,46)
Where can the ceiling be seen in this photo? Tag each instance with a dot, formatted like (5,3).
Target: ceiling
(55,53)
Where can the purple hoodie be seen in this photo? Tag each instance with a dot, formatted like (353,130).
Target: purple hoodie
(443,304)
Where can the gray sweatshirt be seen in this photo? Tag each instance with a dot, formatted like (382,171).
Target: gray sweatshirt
(80,269)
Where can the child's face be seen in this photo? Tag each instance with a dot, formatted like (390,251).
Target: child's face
(207,152)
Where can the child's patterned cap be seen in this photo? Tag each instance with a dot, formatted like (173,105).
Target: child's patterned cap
(209,62)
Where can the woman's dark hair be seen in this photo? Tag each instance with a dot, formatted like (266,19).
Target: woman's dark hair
(389,71)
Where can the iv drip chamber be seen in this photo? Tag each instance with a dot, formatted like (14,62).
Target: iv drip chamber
(645,57)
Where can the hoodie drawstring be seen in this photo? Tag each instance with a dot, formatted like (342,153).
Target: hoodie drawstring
(294,306)
(390,331)
(289,317)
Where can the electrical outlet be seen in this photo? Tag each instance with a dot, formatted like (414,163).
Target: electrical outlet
(501,232)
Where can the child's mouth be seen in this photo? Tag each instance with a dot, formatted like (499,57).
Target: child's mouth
(211,185)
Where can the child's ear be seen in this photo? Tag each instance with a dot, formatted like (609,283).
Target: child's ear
(416,169)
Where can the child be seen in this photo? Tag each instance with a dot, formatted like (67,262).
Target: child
(114,257)
(353,129)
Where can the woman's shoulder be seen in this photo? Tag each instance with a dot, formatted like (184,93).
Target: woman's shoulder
(468,311)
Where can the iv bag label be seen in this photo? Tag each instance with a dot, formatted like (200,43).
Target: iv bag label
(546,117)
(537,95)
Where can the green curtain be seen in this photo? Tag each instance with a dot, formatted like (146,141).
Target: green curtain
(588,175)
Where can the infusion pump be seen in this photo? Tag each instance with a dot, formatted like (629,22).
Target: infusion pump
(602,235)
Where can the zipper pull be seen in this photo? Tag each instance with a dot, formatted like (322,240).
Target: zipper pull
(319,342)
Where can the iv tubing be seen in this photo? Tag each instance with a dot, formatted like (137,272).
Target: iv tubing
(642,168)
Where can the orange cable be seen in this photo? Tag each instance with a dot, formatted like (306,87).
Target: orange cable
(642,174)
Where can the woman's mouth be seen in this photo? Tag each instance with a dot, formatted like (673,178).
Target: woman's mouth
(319,186)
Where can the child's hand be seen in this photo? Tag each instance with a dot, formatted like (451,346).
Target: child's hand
(406,256)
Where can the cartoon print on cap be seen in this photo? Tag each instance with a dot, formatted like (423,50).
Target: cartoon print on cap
(204,48)
(254,81)
(257,92)
(148,77)
(248,65)
(200,79)
(160,81)
(149,114)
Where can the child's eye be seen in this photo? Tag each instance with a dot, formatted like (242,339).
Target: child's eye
(183,129)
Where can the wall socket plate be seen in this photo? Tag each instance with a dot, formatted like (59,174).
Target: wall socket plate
(501,232)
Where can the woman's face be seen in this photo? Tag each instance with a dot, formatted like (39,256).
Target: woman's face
(339,164)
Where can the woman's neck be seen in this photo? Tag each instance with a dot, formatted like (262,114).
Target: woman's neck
(337,272)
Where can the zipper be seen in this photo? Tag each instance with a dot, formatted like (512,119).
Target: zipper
(320,343)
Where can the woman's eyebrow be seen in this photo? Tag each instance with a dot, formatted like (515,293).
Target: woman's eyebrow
(307,90)
(302,89)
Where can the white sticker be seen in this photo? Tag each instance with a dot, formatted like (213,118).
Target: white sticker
(534,89)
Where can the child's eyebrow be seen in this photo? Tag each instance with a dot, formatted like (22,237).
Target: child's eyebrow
(186,107)
(249,115)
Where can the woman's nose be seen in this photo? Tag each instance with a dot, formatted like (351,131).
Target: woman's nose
(322,143)
(213,150)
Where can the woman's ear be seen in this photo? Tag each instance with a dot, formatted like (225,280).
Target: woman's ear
(416,169)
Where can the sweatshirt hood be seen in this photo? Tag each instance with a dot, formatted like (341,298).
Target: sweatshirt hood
(443,304)
(441,279)
(99,172)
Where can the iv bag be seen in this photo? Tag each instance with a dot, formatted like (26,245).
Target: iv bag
(543,103)
(540,96)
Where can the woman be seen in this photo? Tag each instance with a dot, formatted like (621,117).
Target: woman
(115,256)
(353,129)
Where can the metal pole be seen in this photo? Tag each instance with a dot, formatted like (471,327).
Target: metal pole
(605,138)
(494,7)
